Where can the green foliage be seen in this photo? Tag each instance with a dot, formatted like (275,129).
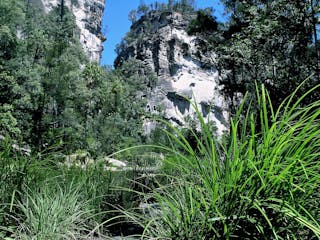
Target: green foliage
(43,196)
(11,13)
(142,9)
(269,42)
(8,42)
(11,16)
(40,67)
(53,99)
(9,88)
(8,124)
(185,7)
(204,22)
(53,213)
(104,121)
(143,15)
(258,183)
(13,175)
(132,16)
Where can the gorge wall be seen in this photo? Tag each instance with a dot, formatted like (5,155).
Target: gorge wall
(88,15)
(186,70)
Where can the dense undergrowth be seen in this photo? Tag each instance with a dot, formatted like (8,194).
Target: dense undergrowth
(41,198)
(260,182)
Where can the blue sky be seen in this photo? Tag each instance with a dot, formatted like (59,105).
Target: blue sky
(116,23)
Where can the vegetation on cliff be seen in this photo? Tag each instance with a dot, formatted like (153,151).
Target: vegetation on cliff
(61,115)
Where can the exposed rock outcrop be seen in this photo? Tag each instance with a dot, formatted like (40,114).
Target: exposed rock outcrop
(88,14)
(184,66)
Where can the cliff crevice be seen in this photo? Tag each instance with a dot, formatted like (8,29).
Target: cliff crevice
(186,69)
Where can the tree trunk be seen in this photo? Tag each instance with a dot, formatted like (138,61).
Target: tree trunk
(61,9)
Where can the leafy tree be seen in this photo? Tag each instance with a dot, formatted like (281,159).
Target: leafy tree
(9,89)
(11,13)
(184,6)
(46,63)
(8,123)
(11,16)
(51,95)
(204,22)
(8,43)
(269,42)
(132,16)
(142,9)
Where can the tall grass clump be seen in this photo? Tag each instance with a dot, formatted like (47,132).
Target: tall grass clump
(262,181)
(14,166)
(43,199)
(53,212)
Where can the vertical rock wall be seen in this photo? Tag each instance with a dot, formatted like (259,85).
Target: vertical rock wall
(185,68)
(88,14)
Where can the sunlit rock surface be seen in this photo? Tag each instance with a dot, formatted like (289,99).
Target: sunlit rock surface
(88,14)
(185,68)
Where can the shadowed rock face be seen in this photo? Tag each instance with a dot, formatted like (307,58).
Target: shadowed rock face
(88,14)
(185,68)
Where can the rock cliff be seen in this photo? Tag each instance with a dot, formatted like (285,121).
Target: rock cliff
(88,14)
(184,66)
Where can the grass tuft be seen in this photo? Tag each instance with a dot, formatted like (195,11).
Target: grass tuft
(53,212)
(260,182)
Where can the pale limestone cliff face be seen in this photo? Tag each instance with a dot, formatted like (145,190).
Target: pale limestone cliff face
(184,67)
(88,14)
